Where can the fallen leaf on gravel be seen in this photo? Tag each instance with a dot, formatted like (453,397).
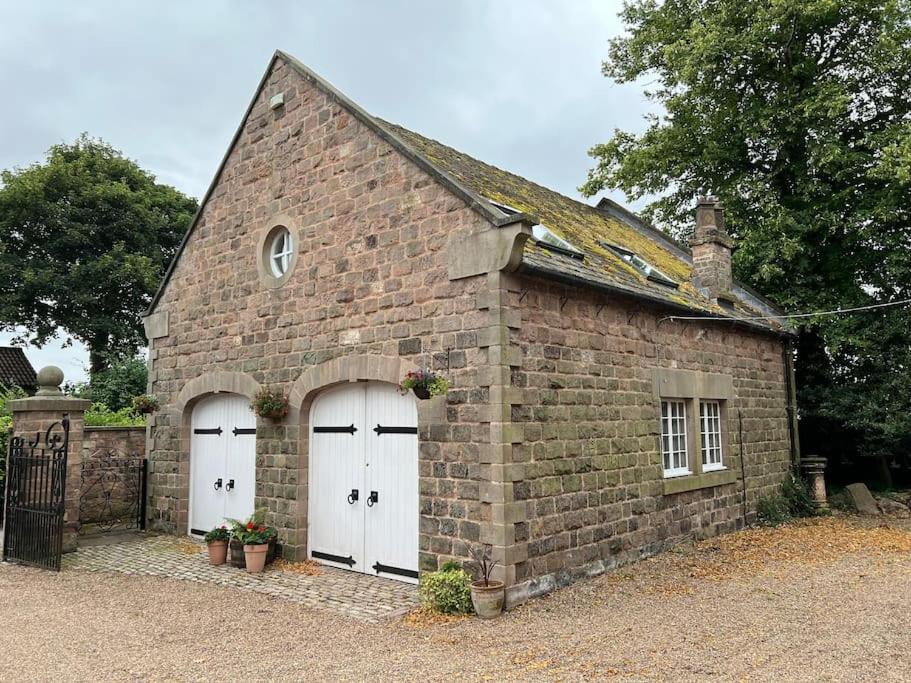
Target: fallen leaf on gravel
(423,617)
(307,567)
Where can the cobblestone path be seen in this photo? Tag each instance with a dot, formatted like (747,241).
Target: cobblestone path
(356,595)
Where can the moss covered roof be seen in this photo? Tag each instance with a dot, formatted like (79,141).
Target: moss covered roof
(588,228)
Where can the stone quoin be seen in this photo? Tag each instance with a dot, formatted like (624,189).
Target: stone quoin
(584,426)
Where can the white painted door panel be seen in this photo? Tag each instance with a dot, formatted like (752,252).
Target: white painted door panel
(382,535)
(217,453)
(207,458)
(240,465)
(336,468)
(391,530)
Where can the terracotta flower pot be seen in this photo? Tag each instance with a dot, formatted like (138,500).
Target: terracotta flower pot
(488,600)
(237,553)
(255,557)
(422,393)
(218,552)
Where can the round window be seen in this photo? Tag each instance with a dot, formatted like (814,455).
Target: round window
(281,251)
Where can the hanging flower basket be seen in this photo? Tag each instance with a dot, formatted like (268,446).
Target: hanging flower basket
(424,383)
(270,404)
(145,404)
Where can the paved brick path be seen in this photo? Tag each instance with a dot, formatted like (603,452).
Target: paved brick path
(357,595)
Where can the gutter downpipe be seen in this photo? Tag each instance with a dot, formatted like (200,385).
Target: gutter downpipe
(787,354)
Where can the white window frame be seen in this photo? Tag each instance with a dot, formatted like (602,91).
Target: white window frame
(711,435)
(674,460)
(281,252)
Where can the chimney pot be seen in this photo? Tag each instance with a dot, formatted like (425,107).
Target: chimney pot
(711,246)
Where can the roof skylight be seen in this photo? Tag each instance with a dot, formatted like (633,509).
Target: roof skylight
(640,264)
(544,236)
(548,239)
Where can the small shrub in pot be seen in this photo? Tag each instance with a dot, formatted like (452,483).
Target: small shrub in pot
(217,545)
(487,595)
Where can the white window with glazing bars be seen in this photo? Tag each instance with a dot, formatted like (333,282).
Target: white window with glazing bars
(674,438)
(710,423)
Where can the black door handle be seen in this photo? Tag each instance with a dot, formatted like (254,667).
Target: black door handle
(373,499)
(352,497)
(218,484)
(230,485)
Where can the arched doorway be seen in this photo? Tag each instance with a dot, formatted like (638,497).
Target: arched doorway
(363,492)
(222,461)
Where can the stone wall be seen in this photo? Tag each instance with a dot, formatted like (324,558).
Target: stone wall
(111,474)
(370,279)
(126,441)
(593,485)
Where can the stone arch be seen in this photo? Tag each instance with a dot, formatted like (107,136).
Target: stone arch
(207,384)
(352,368)
(346,369)
(215,382)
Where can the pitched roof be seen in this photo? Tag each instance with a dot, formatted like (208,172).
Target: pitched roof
(502,197)
(15,370)
(592,230)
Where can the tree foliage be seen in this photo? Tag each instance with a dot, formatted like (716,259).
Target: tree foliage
(85,238)
(797,115)
(116,385)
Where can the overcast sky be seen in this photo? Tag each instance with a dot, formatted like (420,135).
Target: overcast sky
(515,83)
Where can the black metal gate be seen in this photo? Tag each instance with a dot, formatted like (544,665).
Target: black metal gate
(36,494)
(113,492)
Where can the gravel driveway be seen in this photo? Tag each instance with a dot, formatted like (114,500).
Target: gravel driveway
(821,601)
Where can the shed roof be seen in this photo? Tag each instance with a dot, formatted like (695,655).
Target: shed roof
(15,370)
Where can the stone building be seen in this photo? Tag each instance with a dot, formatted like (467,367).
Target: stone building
(586,424)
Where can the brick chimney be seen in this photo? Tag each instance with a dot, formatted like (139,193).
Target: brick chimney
(711,246)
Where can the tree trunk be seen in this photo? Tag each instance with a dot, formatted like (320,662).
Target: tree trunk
(98,361)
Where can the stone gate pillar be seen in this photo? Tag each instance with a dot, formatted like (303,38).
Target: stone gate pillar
(34,415)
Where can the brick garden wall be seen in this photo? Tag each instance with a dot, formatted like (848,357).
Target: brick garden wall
(128,441)
(110,488)
(370,279)
(592,466)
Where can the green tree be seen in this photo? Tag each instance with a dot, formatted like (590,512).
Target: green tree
(797,115)
(85,238)
(116,385)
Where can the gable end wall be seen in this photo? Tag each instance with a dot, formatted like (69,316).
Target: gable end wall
(370,281)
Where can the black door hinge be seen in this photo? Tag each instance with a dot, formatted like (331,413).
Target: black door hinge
(217,431)
(243,430)
(333,558)
(350,429)
(380,429)
(386,569)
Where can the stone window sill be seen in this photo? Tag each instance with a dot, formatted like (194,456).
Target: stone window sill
(699,481)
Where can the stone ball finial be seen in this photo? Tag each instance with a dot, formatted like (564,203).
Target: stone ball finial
(50,377)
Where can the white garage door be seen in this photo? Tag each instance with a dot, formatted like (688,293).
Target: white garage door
(364,480)
(222,461)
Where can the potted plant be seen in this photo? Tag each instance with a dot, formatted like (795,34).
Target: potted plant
(217,545)
(256,540)
(240,531)
(424,383)
(145,404)
(270,404)
(487,595)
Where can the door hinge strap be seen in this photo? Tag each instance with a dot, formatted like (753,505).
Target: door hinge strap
(380,429)
(386,569)
(350,429)
(244,430)
(217,430)
(333,558)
